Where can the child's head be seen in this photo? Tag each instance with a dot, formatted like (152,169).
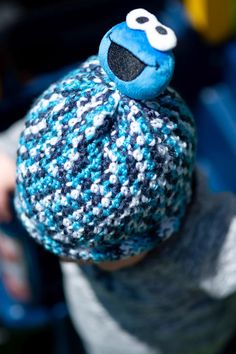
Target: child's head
(102,176)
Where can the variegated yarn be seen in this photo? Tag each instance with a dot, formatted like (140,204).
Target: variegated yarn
(101,176)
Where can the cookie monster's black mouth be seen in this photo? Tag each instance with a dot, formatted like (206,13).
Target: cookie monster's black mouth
(123,63)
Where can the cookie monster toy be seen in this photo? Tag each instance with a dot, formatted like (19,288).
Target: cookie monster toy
(137,56)
(105,161)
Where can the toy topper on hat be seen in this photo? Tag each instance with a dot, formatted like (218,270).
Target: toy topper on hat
(137,55)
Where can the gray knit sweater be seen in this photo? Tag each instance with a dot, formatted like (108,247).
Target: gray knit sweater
(179,300)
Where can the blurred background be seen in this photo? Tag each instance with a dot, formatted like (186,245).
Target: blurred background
(40,41)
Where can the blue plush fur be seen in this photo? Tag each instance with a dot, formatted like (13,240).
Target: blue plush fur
(159,65)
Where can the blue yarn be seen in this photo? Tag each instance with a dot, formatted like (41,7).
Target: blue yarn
(99,175)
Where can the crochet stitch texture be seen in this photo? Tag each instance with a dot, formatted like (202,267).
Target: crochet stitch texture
(101,176)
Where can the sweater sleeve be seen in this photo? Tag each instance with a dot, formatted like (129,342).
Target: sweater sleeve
(9,138)
(221,281)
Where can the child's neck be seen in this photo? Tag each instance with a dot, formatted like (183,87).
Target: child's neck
(123,263)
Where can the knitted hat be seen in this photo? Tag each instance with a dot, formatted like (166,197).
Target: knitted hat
(100,175)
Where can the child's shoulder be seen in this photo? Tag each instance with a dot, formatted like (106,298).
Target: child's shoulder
(207,242)
(216,210)
(220,277)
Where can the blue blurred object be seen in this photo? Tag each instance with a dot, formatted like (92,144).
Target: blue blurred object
(230,66)
(38,271)
(205,75)
(216,122)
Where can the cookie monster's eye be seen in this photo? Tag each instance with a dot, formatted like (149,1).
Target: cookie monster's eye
(161,30)
(142,19)
(159,36)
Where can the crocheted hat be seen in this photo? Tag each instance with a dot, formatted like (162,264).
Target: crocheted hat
(101,175)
